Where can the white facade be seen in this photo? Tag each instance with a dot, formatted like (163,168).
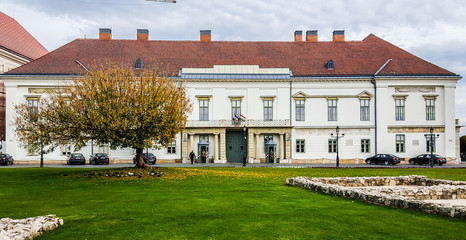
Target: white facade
(252,86)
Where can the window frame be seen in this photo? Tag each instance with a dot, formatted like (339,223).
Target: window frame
(332,110)
(365,145)
(400,109)
(204,109)
(430,109)
(300,110)
(171,148)
(268,110)
(234,109)
(364,109)
(300,146)
(33,105)
(400,143)
(332,145)
(428,146)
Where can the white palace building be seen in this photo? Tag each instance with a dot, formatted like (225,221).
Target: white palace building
(257,99)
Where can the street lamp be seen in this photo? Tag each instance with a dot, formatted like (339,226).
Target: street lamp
(431,138)
(337,130)
(244,134)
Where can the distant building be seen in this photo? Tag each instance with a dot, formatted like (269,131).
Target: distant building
(271,101)
(17,47)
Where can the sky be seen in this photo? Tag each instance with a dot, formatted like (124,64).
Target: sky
(431,29)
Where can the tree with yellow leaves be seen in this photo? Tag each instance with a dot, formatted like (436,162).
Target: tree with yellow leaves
(115,106)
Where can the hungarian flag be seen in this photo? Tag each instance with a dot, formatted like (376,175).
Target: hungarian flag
(242,118)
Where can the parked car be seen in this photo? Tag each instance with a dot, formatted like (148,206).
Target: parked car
(76,158)
(6,159)
(386,159)
(97,158)
(149,158)
(425,159)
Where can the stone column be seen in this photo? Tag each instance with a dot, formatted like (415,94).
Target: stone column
(216,148)
(258,152)
(185,148)
(282,147)
(251,148)
(191,143)
(222,147)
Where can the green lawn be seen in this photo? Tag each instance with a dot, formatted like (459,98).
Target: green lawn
(214,203)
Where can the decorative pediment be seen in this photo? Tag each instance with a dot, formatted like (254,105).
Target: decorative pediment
(240,98)
(400,96)
(365,95)
(432,97)
(300,95)
(203,97)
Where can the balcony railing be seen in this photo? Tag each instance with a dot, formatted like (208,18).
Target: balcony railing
(231,123)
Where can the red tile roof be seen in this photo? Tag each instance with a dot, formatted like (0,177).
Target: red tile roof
(304,58)
(14,38)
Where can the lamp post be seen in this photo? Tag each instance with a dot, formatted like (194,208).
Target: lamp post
(431,138)
(337,130)
(244,134)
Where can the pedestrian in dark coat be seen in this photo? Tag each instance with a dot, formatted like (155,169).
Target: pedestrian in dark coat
(191,156)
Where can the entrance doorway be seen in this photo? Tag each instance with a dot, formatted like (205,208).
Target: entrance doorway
(236,146)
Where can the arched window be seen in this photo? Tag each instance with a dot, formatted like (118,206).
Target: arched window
(138,64)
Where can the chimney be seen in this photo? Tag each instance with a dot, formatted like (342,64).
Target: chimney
(105,33)
(311,36)
(298,36)
(205,35)
(339,35)
(142,34)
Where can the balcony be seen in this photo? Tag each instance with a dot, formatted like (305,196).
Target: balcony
(232,124)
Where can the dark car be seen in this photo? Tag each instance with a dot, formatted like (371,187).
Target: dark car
(425,159)
(148,158)
(76,158)
(386,159)
(97,158)
(6,159)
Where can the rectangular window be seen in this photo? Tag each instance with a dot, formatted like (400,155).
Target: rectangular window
(299,110)
(65,149)
(204,110)
(430,144)
(400,143)
(332,109)
(364,109)
(268,138)
(235,108)
(172,147)
(332,145)
(430,109)
(300,145)
(33,105)
(204,137)
(268,110)
(400,109)
(365,145)
(30,150)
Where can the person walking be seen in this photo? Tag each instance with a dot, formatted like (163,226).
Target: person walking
(191,156)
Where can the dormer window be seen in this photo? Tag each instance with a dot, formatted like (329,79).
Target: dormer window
(138,64)
(329,65)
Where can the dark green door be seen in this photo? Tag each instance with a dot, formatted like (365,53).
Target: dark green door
(236,146)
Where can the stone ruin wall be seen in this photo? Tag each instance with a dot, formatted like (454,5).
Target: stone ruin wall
(401,192)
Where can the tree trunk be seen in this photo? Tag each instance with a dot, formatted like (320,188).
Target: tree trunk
(140,160)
